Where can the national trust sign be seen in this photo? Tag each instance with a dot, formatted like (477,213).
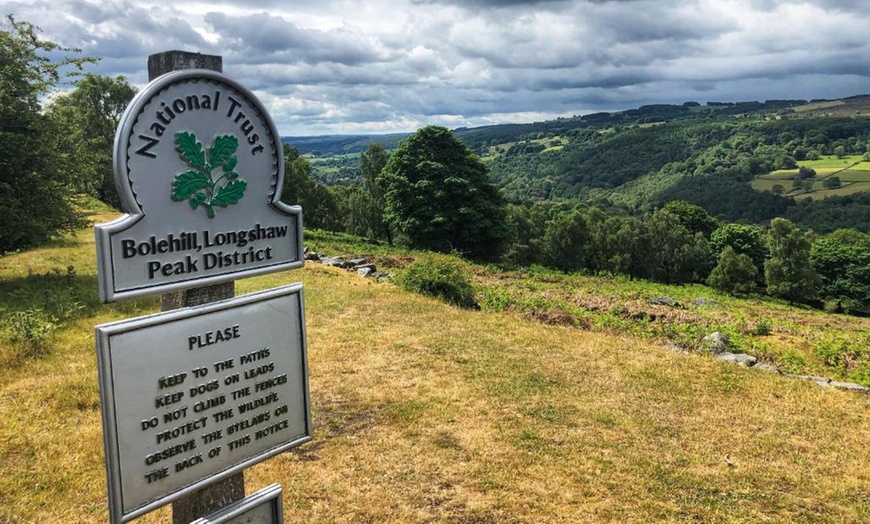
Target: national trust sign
(198,164)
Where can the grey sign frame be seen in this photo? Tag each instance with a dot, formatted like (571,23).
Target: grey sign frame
(110,288)
(270,495)
(110,411)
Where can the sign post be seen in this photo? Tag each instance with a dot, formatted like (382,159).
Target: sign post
(214,384)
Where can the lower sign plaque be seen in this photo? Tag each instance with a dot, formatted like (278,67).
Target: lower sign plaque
(195,395)
(263,507)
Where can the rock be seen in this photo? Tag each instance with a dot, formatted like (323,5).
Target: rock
(381,276)
(741,359)
(334,262)
(354,262)
(766,367)
(364,266)
(365,271)
(850,386)
(822,381)
(701,302)
(311,255)
(664,301)
(716,343)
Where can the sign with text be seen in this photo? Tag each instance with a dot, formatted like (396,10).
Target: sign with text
(199,168)
(263,507)
(228,389)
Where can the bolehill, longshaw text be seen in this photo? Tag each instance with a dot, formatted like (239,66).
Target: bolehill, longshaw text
(188,243)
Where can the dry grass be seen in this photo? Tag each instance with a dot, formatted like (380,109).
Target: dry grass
(427,413)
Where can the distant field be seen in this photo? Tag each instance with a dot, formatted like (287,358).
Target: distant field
(831,161)
(550,144)
(853,172)
(852,106)
(855,175)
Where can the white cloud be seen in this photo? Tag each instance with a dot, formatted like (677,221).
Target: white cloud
(333,66)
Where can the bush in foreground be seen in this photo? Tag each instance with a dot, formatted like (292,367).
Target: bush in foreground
(440,276)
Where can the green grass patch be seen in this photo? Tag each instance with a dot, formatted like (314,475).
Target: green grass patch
(854,175)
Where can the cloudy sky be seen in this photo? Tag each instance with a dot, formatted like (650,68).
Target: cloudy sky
(378,66)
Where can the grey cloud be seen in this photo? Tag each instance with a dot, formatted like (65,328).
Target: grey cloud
(856,6)
(386,65)
(113,29)
(490,3)
(655,21)
(264,35)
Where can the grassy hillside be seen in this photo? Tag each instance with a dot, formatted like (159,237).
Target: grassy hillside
(851,106)
(427,413)
(724,157)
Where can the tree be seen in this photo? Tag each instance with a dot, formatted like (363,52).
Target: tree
(438,196)
(734,273)
(744,240)
(778,189)
(787,271)
(805,172)
(372,161)
(320,209)
(676,255)
(36,192)
(693,217)
(565,241)
(842,261)
(832,183)
(89,116)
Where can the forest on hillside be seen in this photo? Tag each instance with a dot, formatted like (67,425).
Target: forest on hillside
(641,159)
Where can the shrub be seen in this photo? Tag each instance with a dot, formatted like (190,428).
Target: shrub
(31,329)
(762,328)
(440,276)
(840,354)
(735,273)
(792,362)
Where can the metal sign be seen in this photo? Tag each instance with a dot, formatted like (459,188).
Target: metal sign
(194,395)
(263,507)
(199,168)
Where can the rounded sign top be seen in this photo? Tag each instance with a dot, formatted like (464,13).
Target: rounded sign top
(196,142)
(199,168)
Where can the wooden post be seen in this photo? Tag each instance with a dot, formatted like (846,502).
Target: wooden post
(220,494)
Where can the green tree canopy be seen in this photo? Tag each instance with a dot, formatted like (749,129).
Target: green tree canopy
(438,196)
(320,210)
(89,116)
(735,273)
(675,255)
(370,207)
(693,217)
(36,189)
(565,241)
(744,239)
(842,261)
(787,270)
(832,182)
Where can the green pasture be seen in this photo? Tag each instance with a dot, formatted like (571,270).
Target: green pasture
(766,184)
(853,172)
(855,175)
(847,189)
(831,161)
(555,143)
